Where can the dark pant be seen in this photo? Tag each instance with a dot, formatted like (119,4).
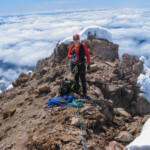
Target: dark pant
(79,70)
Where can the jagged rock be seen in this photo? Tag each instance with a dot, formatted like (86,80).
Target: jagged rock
(112,88)
(115,146)
(121,111)
(43,71)
(30,90)
(52,76)
(41,64)
(12,111)
(22,79)
(47,78)
(40,81)
(98,93)
(86,109)
(99,79)
(142,106)
(5,114)
(53,94)
(44,89)
(32,75)
(93,67)
(113,84)
(75,122)
(104,49)
(65,138)
(14,84)
(29,99)
(124,136)
(41,143)
(59,127)
(9,113)
(12,95)
(138,68)
(146,117)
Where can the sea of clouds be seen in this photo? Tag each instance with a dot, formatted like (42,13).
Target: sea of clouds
(24,39)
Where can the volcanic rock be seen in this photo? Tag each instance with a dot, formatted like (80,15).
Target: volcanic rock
(114,109)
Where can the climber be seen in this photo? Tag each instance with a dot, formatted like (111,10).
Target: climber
(77,52)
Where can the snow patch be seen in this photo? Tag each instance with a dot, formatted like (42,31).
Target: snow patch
(0,91)
(142,142)
(144,79)
(10,87)
(95,31)
(29,72)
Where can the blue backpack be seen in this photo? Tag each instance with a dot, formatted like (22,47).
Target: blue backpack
(60,101)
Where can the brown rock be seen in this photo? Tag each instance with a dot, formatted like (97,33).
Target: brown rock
(115,146)
(65,138)
(29,99)
(12,111)
(87,108)
(30,90)
(146,117)
(142,106)
(32,75)
(104,49)
(98,92)
(112,88)
(12,95)
(121,111)
(53,94)
(44,89)
(75,122)
(93,67)
(5,114)
(14,84)
(43,71)
(22,79)
(124,136)
(138,68)
(59,127)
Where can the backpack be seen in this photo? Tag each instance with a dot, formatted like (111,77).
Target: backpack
(81,53)
(67,86)
(59,101)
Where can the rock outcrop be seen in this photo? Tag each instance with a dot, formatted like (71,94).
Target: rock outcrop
(110,120)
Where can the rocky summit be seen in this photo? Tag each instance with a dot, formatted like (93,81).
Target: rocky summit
(110,121)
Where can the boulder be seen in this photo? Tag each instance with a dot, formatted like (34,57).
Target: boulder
(44,89)
(142,106)
(86,109)
(121,111)
(5,114)
(22,79)
(93,68)
(75,122)
(115,146)
(138,68)
(124,137)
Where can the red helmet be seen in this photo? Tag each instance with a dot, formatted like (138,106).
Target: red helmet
(76,37)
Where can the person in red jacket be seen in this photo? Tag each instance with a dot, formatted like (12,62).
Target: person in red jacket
(77,53)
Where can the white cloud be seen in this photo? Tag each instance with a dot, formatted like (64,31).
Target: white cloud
(28,38)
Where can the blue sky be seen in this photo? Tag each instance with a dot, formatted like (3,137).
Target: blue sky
(27,6)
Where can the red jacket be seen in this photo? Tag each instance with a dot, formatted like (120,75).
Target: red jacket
(77,52)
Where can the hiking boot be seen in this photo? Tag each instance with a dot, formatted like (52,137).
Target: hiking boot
(84,95)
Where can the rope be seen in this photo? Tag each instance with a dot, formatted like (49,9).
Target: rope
(81,128)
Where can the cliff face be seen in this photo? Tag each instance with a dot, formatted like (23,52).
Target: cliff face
(111,84)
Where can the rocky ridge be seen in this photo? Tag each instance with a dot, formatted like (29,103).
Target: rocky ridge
(111,121)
